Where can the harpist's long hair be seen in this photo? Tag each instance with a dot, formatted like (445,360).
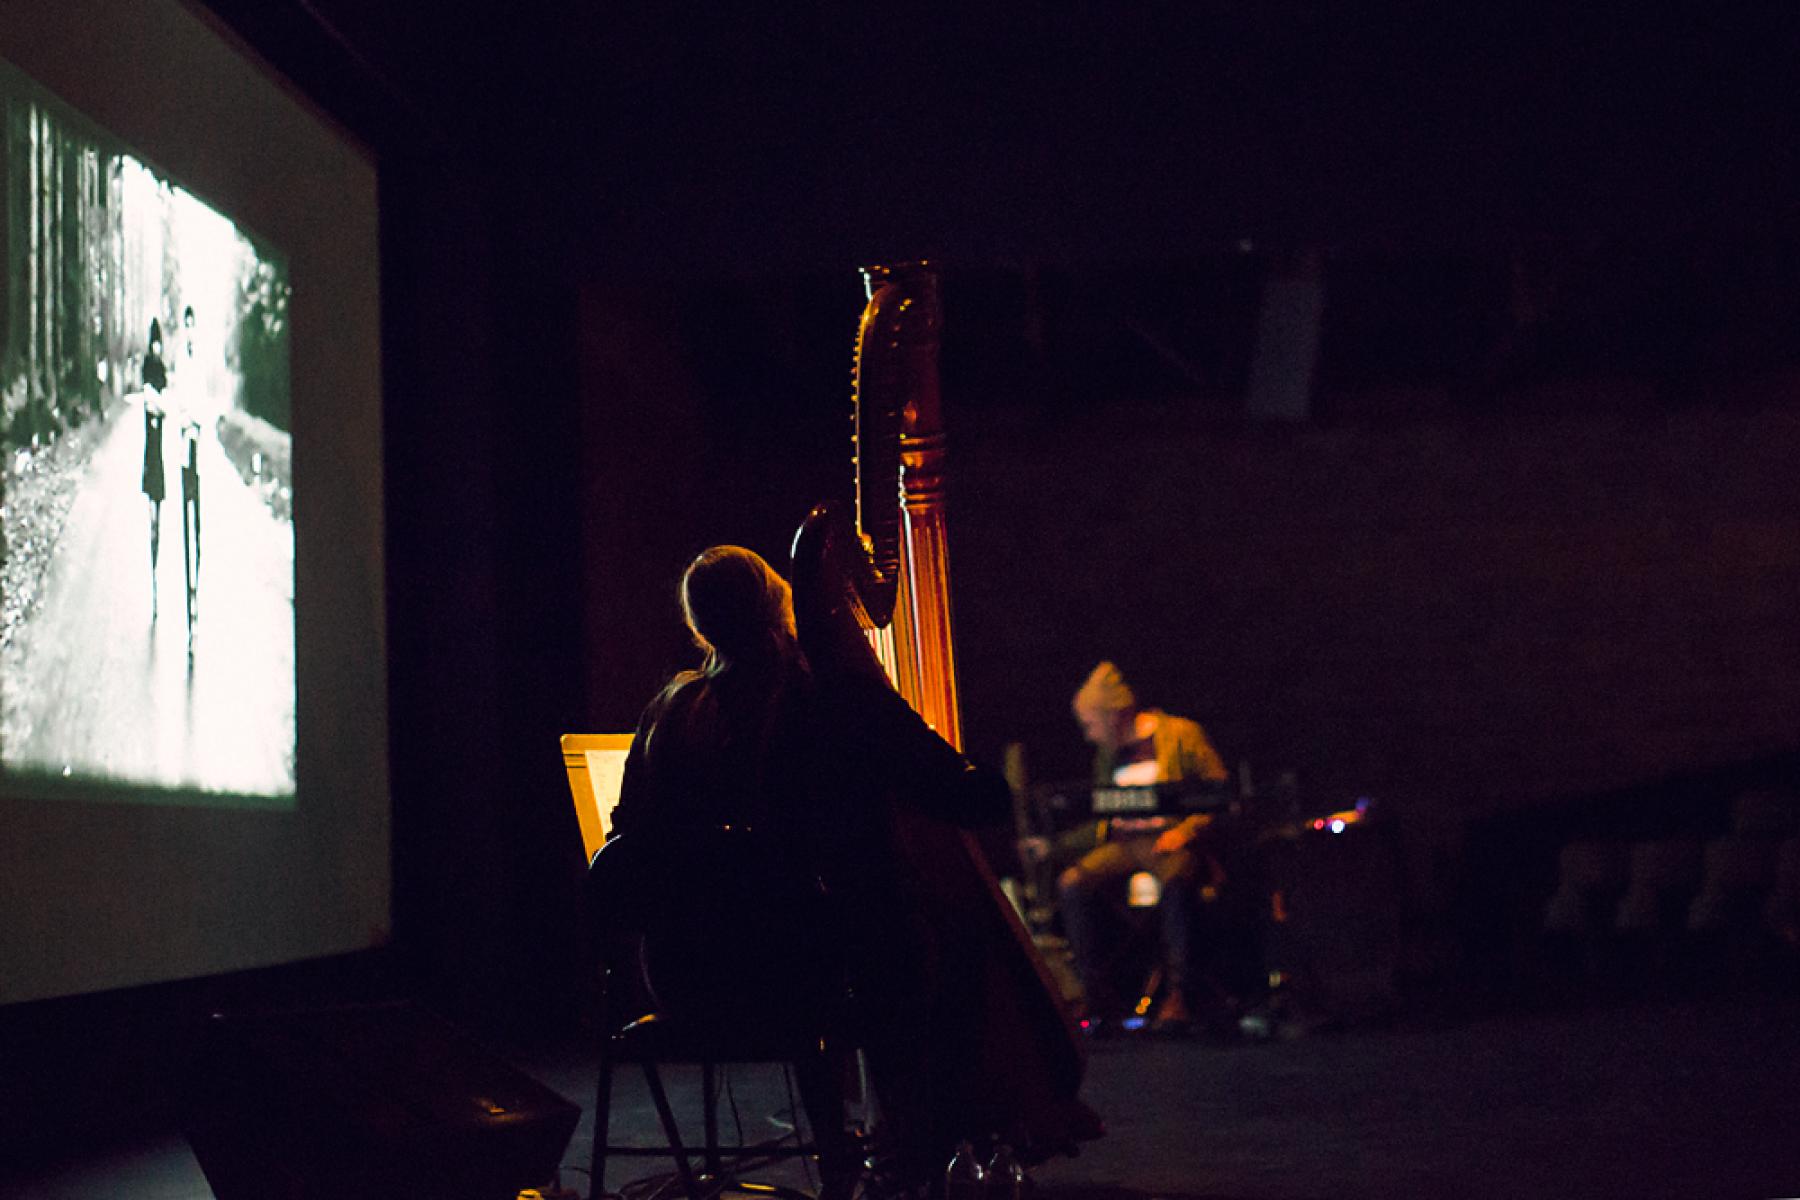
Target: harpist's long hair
(739,610)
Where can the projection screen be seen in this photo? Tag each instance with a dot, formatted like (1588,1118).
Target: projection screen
(193,733)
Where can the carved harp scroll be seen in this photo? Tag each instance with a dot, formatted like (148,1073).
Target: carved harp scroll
(900,509)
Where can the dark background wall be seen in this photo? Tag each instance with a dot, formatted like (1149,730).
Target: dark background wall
(1459,619)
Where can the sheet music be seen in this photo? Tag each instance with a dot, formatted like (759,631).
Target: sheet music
(606,775)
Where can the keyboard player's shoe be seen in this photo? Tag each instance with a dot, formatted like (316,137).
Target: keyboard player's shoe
(1174,1017)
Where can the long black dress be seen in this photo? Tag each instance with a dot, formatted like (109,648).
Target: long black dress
(154,485)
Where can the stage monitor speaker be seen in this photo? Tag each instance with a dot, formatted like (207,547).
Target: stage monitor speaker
(371,1102)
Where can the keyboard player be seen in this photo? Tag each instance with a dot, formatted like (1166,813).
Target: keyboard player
(1135,746)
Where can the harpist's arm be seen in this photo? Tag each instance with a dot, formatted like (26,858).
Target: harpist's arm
(896,745)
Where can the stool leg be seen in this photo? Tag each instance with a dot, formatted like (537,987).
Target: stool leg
(710,1114)
(602,1122)
(667,1116)
(820,1078)
(1153,986)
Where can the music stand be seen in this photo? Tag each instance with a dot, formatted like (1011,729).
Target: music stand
(596,766)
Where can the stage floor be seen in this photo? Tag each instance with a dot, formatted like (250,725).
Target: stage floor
(1687,1098)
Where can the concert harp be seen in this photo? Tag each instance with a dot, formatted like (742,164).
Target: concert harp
(882,554)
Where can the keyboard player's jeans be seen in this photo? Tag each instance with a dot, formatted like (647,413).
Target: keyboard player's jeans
(1092,896)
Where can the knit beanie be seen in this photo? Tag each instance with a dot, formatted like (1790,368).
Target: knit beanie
(1105,691)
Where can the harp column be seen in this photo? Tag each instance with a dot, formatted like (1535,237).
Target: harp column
(925,587)
(897,391)
(925,583)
